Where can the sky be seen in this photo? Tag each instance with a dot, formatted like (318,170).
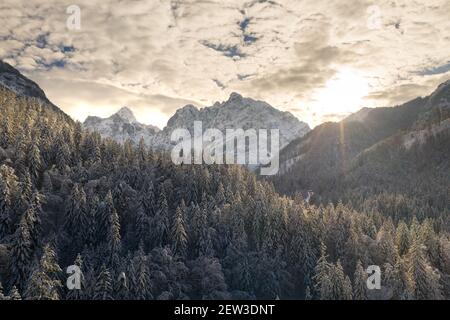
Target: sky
(320,60)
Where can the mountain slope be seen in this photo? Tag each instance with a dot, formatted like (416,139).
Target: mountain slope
(121,126)
(140,227)
(235,113)
(375,151)
(11,79)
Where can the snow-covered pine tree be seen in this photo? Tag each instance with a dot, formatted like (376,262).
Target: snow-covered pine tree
(34,160)
(2,295)
(160,222)
(103,286)
(21,255)
(44,283)
(360,282)
(143,285)
(6,133)
(14,294)
(113,239)
(424,280)
(5,209)
(322,281)
(178,231)
(341,284)
(402,238)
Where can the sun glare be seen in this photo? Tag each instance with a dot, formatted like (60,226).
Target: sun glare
(341,95)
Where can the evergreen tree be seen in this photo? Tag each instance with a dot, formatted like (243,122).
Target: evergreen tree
(33,217)
(44,283)
(161,221)
(402,238)
(113,239)
(424,281)
(14,294)
(103,286)
(121,289)
(5,209)
(143,285)
(322,280)
(2,296)
(21,255)
(178,231)
(34,160)
(308,295)
(26,189)
(6,133)
(360,283)
(340,283)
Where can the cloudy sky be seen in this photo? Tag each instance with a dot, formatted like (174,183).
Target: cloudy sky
(318,59)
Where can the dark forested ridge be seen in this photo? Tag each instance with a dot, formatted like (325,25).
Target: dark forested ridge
(140,227)
(397,159)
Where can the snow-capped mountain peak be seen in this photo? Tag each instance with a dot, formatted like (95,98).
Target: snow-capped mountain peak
(126,114)
(237,112)
(121,126)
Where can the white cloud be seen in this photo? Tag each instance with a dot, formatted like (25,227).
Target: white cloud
(154,55)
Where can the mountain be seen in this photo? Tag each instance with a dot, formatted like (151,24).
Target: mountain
(398,150)
(124,213)
(11,79)
(15,81)
(237,112)
(121,126)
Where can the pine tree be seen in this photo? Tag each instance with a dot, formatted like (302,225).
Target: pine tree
(113,239)
(62,154)
(142,222)
(5,209)
(44,283)
(360,283)
(322,280)
(34,160)
(143,285)
(6,134)
(93,213)
(402,238)
(26,189)
(178,232)
(395,279)
(103,286)
(21,255)
(220,195)
(199,232)
(205,243)
(308,295)
(14,294)
(121,288)
(2,296)
(161,221)
(73,211)
(33,217)
(424,281)
(340,283)
(78,221)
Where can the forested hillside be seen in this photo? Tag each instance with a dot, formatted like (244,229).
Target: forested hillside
(141,228)
(397,159)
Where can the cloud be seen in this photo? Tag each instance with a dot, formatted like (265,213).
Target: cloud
(156,56)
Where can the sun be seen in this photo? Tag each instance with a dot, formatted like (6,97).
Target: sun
(343,94)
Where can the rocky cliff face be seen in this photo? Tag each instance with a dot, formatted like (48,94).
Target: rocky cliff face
(235,113)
